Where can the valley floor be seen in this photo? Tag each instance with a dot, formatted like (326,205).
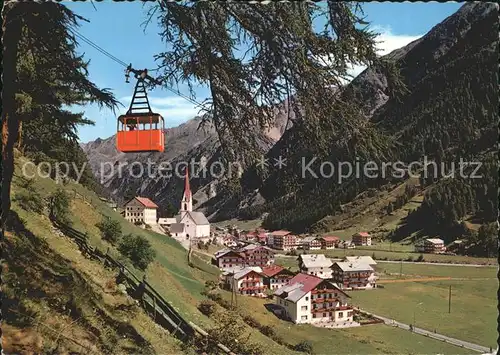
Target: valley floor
(183,284)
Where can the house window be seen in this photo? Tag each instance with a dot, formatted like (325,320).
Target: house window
(307,298)
(303,308)
(325,314)
(303,318)
(341,314)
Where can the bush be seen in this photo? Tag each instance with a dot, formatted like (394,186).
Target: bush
(138,250)
(215,297)
(111,230)
(207,307)
(251,322)
(410,258)
(60,206)
(304,346)
(211,285)
(147,226)
(268,331)
(30,201)
(420,258)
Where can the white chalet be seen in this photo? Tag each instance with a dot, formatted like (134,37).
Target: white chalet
(316,265)
(189,223)
(362,259)
(141,210)
(310,299)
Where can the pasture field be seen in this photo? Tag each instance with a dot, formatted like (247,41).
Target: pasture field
(371,339)
(473,315)
(406,255)
(473,293)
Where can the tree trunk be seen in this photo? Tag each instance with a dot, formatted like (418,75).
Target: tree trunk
(11,28)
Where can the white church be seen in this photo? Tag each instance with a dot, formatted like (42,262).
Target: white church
(189,224)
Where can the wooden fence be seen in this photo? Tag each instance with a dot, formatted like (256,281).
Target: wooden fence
(153,303)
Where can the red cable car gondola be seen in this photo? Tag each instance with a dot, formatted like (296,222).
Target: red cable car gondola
(140,129)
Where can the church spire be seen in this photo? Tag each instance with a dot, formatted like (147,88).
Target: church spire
(187,201)
(187,189)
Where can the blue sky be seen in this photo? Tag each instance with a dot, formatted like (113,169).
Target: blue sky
(116,27)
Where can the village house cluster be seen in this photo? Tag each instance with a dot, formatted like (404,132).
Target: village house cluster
(315,294)
(283,240)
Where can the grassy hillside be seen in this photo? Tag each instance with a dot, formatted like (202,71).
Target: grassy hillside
(170,273)
(58,301)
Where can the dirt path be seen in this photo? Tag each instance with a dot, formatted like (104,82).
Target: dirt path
(426,279)
(414,280)
(203,253)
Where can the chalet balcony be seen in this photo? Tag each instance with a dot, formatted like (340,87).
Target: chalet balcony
(323,291)
(331,309)
(253,288)
(325,300)
(356,276)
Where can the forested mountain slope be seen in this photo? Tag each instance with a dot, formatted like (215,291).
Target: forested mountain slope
(447,111)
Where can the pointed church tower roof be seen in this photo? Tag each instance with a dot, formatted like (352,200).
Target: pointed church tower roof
(187,189)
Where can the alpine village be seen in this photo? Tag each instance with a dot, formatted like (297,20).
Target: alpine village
(213,195)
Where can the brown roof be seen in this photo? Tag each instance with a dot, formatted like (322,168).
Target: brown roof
(233,252)
(363,234)
(281,232)
(271,270)
(330,238)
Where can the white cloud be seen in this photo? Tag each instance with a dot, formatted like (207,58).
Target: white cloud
(387,42)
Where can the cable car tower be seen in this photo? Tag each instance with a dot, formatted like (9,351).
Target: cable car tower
(140,129)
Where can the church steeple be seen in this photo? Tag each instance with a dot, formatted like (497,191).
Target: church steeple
(187,198)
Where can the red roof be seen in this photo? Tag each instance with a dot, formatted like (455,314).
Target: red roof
(271,270)
(281,232)
(252,233)
(146,202)
(309,282)
(187,189)
(262,236)
(330,238)
(363,234)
